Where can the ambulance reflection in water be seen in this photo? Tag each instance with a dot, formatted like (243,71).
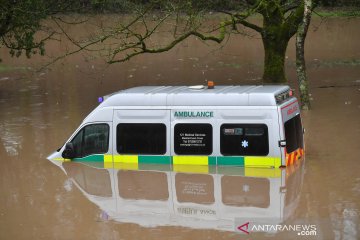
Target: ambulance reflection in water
(189,196)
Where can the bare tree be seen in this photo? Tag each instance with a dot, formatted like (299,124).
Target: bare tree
(20,20)
(280,21)
(300,55)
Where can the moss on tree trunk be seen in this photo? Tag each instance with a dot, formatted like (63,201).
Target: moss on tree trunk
(275,34)
(274,62)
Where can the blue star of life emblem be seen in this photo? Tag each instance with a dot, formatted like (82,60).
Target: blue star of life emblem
(244,144)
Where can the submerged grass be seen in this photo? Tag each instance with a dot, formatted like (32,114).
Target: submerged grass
(318,63)
(6,68)
(346,62)
(231,65)
(337,12)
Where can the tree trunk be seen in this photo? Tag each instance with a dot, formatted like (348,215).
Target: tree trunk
(275,36)
(300,56)
(274,63)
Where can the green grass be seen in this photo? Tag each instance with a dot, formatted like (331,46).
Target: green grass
(6,68)
(231,65)
(328,63)
(350,62)
(337,12)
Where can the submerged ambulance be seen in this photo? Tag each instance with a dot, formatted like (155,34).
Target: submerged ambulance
(256,126)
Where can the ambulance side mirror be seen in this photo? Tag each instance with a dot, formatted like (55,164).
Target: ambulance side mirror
(68,152)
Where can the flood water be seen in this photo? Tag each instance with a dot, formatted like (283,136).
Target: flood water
(40,110)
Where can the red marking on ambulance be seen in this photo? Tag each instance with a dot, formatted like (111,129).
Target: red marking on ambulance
(289,104)
(292,110)
(294,156)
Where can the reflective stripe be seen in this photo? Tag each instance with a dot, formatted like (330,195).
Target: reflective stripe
(262,172)
(126,166)
(247,161)
(108,158)
(190,160)
(108,165)
(186,168)
(238,161)
(155,159)
(294,156)
(277,162)
(62,159)
(91,158)
(262,162)
(212,160)
(125,159)
(191,168)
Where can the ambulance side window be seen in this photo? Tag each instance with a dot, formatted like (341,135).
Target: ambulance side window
(244,139)
(293,134)
(193,139)
(141,138)
(92,139)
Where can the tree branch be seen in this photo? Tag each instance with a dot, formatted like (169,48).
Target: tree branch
(172,44)
(249,25)
(294,20)
(237,18)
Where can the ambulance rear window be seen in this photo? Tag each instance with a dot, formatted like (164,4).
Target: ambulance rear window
(293,134)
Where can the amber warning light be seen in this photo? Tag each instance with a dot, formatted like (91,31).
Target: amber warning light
(210,84)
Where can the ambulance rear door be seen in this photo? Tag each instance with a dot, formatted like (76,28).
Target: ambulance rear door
(292,142)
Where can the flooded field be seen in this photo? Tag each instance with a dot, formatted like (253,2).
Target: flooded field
(39,111)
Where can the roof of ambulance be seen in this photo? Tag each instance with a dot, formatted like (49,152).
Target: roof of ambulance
(251,95)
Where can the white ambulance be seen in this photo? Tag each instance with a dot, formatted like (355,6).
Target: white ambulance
(256,126)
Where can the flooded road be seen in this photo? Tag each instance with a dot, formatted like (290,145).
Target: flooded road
(39,111)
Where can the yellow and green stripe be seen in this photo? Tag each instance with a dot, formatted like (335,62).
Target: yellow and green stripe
(234,165)
(247,161)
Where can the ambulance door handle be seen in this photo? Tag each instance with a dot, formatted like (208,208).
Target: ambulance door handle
(282,143)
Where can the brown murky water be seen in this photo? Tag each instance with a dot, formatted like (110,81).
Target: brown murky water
(40,110)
